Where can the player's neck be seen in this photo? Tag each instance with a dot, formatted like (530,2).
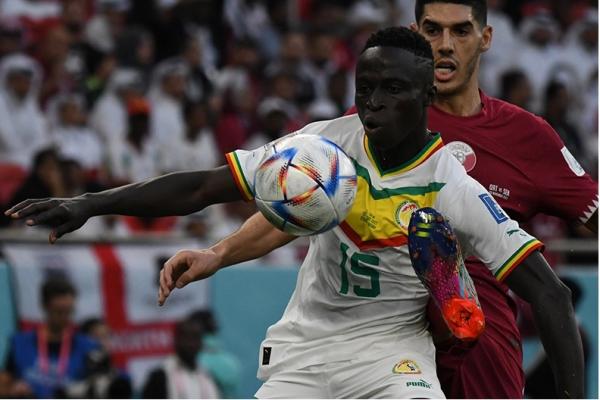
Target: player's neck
(463,104)
(405,151)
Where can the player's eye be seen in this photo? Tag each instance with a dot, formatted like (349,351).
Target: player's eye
(362,90)
(395,89)
(432,31)
(461,32)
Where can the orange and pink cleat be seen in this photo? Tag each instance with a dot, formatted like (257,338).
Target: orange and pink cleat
(437,260)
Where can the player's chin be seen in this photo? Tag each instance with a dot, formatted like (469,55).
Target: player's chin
(447,88)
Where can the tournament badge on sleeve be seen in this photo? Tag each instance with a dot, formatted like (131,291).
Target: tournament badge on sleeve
(437,261)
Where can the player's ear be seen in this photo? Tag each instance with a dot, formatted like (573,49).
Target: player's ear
(486,38)
(414,27)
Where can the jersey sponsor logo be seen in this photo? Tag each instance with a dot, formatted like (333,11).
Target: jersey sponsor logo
(266,356)
(572,162)
(404,212)
(420,383)
(493,208)
(497,191)
(464,154)
(406,367)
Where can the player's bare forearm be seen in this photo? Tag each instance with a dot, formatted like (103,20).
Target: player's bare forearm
(550,300)
(178,193)
(254,239)
(592,222)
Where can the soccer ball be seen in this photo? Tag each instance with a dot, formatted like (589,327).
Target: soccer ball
(307,186)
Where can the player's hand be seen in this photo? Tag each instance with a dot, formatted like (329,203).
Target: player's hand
(63,215)
(184,267)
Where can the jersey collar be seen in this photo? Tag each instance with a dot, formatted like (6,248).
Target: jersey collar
(430,148)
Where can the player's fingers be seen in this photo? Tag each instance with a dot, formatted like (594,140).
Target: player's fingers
(46,217)
(175,266)
(163,282)
(62,230)
(17,207)
(184,279)
(31,208)
(162,297)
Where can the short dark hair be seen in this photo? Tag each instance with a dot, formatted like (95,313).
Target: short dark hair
(55,287)
(402,38)
(479,8)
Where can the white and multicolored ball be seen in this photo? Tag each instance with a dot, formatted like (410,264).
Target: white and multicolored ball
(307,186)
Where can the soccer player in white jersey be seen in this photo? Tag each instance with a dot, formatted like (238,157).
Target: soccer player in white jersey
(355,325)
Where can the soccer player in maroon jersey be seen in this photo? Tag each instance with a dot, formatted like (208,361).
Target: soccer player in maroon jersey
(519,159)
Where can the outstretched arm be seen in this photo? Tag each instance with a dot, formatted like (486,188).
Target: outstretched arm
(178,193)
(255,238)
(535,282)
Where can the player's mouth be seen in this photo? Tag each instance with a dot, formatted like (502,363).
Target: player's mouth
(371,125)
(445,70)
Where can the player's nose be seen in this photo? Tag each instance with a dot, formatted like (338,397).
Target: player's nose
(447,44)
(375,101)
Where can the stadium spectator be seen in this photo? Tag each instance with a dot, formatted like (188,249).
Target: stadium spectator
(321,63)
(167,94)
(23,130)
(136,156)
(500,56)
(135,50)
(516,89)
(103,380)
(11,36)
(539,34)
(198,147)
(223,366)
(102,29)
(42,361)
(52,51)
(251,19)
(274,115)
(71,134)
(293,60)
(109,114)
(200,85)
(180,377)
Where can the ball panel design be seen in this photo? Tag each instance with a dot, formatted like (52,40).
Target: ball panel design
(307,186)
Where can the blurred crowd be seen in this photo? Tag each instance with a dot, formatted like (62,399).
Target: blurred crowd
(62,359)
(98,93)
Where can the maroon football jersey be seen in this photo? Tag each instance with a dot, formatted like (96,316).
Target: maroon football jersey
(524,164)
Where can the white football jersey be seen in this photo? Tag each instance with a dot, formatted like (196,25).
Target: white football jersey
(356,289)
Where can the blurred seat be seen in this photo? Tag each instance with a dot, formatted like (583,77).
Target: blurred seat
(11,178)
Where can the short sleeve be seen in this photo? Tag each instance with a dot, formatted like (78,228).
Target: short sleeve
(565,189)
(484,229)
(243,165)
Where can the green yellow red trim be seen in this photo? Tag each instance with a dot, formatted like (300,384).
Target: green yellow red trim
(395,241)
(434,145)
(517,258)
(238,176)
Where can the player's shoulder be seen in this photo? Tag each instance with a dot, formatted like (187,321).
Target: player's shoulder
(524,125)
(333,128)
(447,168)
